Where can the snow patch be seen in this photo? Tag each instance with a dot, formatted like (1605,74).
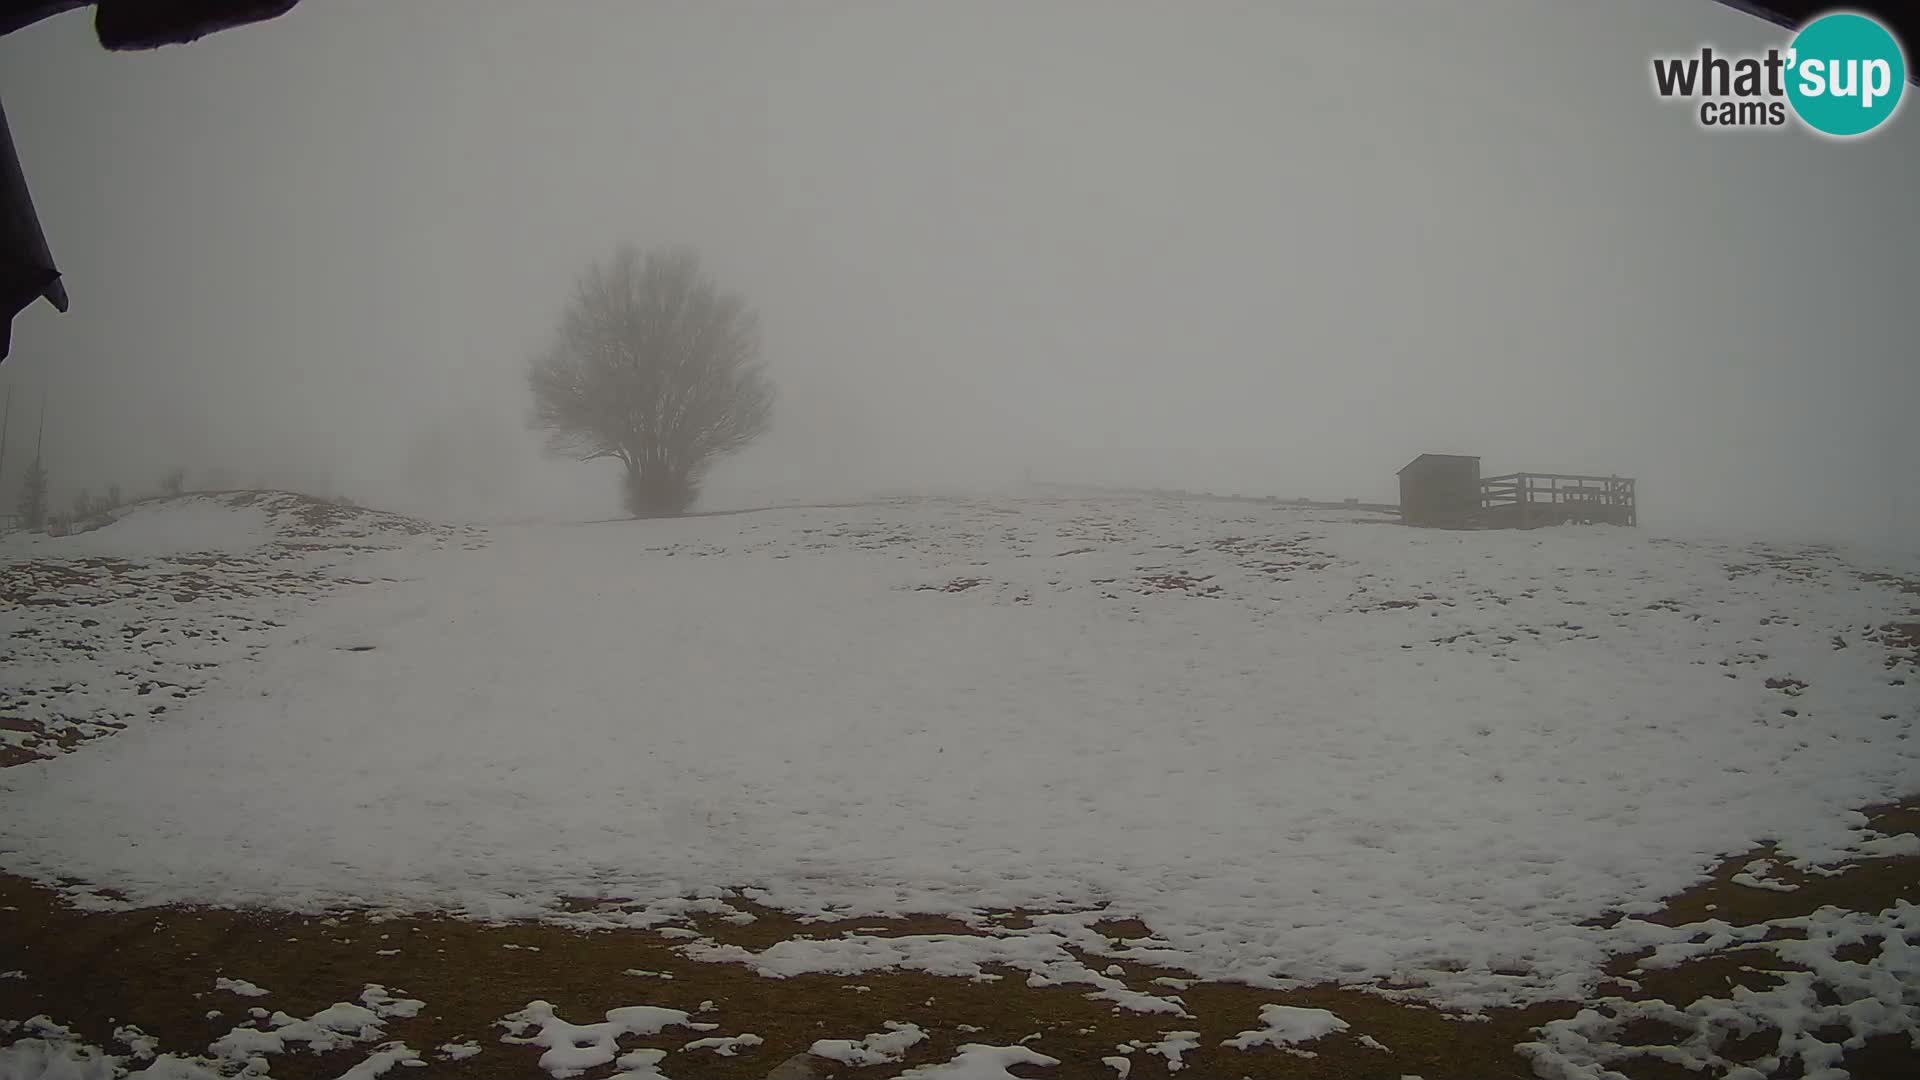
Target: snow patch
(879,1048)
(725,1045)
(640,1065)
(1042,954)
(977,1061)
(1172,1045)
(458,1051)
(574,1048)
(337,1026)
(382,1059)
(1755,875)
(1862,998)
(1285,1025)
(51,1051)
(385,1005)
(144,1046)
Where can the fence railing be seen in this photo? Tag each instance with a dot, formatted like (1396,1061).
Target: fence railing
(1549,497)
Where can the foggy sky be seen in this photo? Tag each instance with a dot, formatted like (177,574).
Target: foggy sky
(1264,247)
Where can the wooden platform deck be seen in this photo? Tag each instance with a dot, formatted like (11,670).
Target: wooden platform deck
(1532,500)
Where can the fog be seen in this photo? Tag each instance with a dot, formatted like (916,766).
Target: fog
(1260,248)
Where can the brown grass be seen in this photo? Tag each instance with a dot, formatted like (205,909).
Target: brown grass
(156,967)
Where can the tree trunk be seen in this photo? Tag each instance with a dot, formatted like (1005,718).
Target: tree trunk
(655,491)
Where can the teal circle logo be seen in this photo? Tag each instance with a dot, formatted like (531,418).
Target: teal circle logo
(1845,74)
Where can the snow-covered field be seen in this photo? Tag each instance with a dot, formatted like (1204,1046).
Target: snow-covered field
(1299,744)
(119,625)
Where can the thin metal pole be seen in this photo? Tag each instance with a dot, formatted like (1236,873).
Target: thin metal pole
(6,421)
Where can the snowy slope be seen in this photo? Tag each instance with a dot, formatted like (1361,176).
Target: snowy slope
(122,624)
(233,521)
(1299,745)
(172,527)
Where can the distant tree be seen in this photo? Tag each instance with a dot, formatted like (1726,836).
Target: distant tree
(115,498)
(83,506)
(175,481)
(657,367)
(33,496)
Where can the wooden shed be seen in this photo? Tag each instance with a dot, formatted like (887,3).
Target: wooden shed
(1440,491)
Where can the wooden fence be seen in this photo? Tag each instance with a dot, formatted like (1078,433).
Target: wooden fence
(1530,500)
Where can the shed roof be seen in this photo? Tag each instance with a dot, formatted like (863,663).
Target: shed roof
(1438,459)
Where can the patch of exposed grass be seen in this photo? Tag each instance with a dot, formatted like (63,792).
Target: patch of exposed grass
(156,968)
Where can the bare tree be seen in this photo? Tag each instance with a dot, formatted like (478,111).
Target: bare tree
(33,496)
(657,367)
(175,481)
